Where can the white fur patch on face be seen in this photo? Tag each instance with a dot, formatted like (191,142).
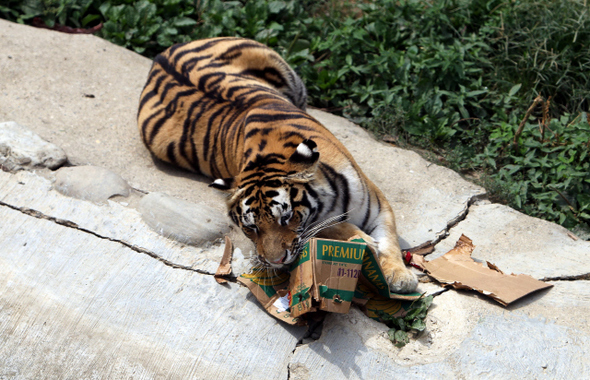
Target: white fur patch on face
(304,150)
(247,214)
(284,204)
(248,219)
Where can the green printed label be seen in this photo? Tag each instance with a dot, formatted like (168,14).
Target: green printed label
(301,294)
(303,257)
(372,272)
(340,251)
(267,280)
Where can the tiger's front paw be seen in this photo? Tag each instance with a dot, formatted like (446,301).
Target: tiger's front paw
(402,281)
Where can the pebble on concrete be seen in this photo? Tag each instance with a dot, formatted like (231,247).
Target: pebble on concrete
(183,221)
(22,149)
(90,183)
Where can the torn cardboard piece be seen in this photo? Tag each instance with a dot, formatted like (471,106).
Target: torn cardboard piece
(457,269)
(328,275)
(224,268)
(270,289)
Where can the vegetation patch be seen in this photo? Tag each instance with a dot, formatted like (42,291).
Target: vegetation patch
(414,322)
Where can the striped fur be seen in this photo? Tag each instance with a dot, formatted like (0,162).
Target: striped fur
(233,110)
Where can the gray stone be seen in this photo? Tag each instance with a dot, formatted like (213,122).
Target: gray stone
(76,306)
(90,183)
(518,243)
(20,148)
(186,222)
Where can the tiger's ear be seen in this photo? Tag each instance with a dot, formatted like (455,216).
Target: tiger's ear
(304,162)
(224,184)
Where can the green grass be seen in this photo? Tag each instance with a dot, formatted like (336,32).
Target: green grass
(455,77)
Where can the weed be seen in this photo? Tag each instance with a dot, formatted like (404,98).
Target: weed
(547,174)
(413,321)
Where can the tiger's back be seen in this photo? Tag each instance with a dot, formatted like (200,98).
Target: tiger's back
(197,95)
(232,109)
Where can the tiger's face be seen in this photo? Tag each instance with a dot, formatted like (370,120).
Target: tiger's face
(274,206)
(274,216)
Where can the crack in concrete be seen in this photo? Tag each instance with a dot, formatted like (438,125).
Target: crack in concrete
(585,276)
(70,224)
(442,235)
(463,214)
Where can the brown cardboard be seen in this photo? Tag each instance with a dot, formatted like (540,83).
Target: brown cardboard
(328,275)
(270,289)
(326,272)
(224,268)
(458,269)
(301,284)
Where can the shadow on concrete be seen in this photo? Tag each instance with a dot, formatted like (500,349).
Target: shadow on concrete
(175,171)
(528,299)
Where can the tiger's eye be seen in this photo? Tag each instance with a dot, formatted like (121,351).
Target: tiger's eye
(250,229)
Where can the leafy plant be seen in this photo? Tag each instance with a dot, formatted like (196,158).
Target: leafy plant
(543,44)
(50,12)
(547,171)
(414,320)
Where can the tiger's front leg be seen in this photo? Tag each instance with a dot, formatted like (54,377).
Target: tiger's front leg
(385,243)
(399,277)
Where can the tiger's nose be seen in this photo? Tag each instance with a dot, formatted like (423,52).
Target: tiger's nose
(278,261)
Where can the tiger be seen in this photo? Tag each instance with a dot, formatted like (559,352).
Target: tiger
(233,110)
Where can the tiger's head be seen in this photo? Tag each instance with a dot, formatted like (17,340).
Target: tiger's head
(272,201)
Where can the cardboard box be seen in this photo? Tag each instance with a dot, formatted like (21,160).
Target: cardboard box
(327,272)
(328,275)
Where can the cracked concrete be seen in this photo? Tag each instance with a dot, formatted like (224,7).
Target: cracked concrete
(91,313)
(89,290)
(26,190)
(518,243)
(69,224)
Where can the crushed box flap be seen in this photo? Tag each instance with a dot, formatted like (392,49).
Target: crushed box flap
(459,270)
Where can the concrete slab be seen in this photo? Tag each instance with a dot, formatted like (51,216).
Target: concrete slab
(111,220)
(75,306)
(518,243)
(467,337)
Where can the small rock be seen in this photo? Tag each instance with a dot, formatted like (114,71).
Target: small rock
(183,221)
(90,183)
(22,149)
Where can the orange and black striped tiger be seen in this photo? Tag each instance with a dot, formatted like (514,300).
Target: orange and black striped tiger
(232,109)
